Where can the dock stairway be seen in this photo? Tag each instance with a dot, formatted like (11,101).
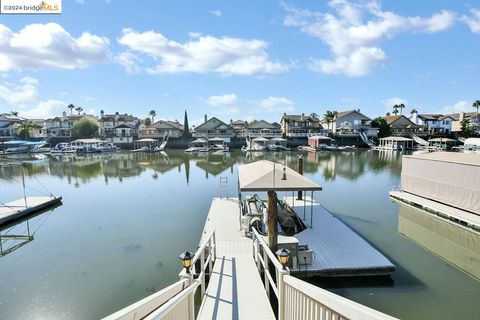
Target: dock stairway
(365,139)
(419,140)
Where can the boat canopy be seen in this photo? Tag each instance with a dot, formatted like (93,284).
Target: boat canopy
(320,138)
(199,141)
(396,139)
(88,141)
(278,139)
(442,140)
(268,176)
(217,139)
(15,142)
(260,139)
(146,140)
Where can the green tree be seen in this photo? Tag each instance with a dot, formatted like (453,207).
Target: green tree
(186,128)
(467,130)
(384,129)
(15,113)
(148,121)
(313,115)
(85,128)
(71,107)
(152,114)
(401,106)
(329,117)
(413,111)
(24,129)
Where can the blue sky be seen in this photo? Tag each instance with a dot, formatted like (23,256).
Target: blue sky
(241,59)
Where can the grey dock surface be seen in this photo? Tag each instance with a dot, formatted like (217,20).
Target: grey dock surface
(23,207)
(235,290)
(339,251)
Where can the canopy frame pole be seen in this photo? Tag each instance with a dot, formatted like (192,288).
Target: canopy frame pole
(311,211)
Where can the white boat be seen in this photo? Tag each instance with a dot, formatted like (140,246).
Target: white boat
(256,144)
(278,144)
(218,144)
(63,147)
(199,145)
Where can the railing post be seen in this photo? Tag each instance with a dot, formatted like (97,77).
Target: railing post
(202,271)
(265,271)
(214,246)
(281,294)
(210,253)
(191,305)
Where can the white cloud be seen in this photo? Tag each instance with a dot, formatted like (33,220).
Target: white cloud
(274,105)
(473,21)
(353,32)
(48,46)
(216,13)
(205,54)
(457,107)
(129,61)
(223,100)
(43,109)
(14,94)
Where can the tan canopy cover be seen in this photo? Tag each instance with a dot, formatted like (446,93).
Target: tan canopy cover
(448,177)
(267,176)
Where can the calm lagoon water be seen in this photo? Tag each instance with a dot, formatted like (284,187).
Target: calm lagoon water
(125,218)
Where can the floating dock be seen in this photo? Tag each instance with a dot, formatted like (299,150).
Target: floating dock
(339,251)
(235,289)
(26,206)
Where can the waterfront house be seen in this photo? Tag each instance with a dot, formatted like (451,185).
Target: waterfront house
(472,118)
(212,128)
(434,123)
(162,128)
(118,128)
(402,126)
(239,127)
(351,123)
(62,127)
(262,128)
(301,126)
(9,124)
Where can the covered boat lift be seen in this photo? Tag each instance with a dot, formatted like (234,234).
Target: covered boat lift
(326,247)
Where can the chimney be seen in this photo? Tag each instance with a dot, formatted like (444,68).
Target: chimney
(102,114)
(64,114)
(231,121)
(205,118)
(358,110)
(461,117)
(303,117)
(388,114)
(116,116)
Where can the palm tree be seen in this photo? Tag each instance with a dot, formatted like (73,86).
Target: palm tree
(313,115)
(476,105)
(152,114)
(71,107)
(329,117)
(79,109)
(15,113)
(401,106)
(413,111)
(26,126)
(395,109)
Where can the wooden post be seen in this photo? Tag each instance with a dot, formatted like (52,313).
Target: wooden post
(300,170)
(272,220)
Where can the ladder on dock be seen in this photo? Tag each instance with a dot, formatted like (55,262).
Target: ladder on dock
(419,140)
(365,139)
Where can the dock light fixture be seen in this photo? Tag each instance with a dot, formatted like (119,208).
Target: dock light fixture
(186,258)
(283,255)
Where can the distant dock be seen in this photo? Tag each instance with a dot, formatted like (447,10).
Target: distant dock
(24,207)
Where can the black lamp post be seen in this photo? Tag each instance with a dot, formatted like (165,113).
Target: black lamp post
(186,258)
(283,256)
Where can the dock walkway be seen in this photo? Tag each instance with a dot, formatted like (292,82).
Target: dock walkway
(23,207)
(235,290)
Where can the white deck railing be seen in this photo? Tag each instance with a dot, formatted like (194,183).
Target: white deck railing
(299,300)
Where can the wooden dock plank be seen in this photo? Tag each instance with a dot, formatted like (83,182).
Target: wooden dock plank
(339,251)
(235,290)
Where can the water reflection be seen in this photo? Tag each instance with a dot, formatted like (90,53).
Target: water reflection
(16,234)
(454,243)
(80,169)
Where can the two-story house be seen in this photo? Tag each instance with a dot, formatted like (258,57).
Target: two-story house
(301,126)
(402,126)
(352,123)
(9,124)
(62,127)
(161,129)
(434,123)
(258,128)
(239,127)
(471,117)
(118,128)
(212,128)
